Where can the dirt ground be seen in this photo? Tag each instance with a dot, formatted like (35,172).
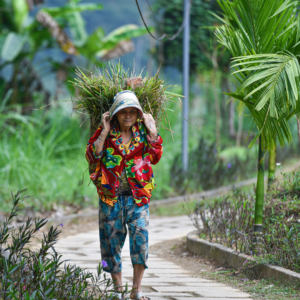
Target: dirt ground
(176,252)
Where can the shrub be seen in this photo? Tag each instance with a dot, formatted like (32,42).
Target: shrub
(229,221)
(28,274)
(42,152)
(207,170)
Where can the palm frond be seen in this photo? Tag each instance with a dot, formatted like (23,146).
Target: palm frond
(273,76)
(263,37)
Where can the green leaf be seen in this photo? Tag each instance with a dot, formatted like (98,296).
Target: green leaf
(20,8)
(12,46)
(174,94)
(93,43)
(77,29)
(286,4)
(122,33)
(69,8)
(254,139)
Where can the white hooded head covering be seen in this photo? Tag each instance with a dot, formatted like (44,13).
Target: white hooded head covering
(123,100)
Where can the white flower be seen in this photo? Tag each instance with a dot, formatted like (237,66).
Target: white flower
(278,164)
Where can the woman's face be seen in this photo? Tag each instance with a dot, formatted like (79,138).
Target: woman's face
(127,116)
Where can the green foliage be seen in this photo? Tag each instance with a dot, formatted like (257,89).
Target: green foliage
(229,221)
(23,39)
(42,274)
(207,170)
(170,15)
(41,151)
(265,64)
(12,46)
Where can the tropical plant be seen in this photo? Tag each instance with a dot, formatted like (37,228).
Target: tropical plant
(24,39)
(229,221)
(263,38)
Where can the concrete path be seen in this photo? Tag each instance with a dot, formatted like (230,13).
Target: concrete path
(162,279)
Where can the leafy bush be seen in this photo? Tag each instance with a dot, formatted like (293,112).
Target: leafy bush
(28,274)
(226,220)
(229,221)
(207,170)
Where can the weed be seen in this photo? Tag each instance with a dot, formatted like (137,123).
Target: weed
(229,221)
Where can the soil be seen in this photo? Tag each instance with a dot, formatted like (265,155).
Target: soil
(177,253)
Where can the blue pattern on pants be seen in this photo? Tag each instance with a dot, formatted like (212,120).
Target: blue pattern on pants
(113,231)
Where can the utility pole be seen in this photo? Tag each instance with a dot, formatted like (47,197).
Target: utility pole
(186,74)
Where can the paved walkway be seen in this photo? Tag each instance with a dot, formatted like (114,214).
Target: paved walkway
(163,279)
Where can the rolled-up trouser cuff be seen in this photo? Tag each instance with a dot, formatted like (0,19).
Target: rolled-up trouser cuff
(113,223)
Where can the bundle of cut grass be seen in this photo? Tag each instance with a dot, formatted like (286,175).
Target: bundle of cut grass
(95,93)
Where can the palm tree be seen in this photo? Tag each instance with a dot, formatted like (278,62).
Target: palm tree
(272,166)
(263,37)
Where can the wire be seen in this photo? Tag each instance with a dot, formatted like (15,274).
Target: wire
(173,37)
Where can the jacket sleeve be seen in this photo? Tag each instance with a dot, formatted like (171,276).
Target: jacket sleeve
(90,152)
(155,149)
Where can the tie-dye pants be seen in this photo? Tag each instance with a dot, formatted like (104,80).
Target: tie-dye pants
(113,231)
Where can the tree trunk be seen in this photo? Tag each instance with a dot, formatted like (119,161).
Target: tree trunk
(272,166)
(232,132)
(240,130)
(217,107)
(298,123)
(259,203)
(231,120)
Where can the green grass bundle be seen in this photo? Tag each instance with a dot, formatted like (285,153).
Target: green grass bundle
(95,93)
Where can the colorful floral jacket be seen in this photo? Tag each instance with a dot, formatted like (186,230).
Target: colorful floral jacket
(112,160)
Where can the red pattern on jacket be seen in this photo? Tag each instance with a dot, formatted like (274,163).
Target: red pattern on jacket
(109,164)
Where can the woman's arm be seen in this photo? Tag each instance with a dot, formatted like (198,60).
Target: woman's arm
(155,149)
(99,143)
(96,142)
(155,142)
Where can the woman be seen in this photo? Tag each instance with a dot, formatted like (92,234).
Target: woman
(124,148)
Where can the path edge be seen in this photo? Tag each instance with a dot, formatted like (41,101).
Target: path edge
(231,258)
(85,217)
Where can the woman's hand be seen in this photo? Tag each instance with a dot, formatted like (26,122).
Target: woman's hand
(106,122)
(150,125)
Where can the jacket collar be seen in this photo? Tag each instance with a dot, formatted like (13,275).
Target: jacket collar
(137,142)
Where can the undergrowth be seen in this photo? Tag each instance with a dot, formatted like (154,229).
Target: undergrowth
(229,221)
(45,152)
(207,169)
(42,274)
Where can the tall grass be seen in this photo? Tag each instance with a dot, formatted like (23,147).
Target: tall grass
(45,154)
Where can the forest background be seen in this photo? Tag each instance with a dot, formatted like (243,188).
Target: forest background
(43,150)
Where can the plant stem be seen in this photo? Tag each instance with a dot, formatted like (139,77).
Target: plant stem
(272,166)
(217,107)
(298,125)
(259,203)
